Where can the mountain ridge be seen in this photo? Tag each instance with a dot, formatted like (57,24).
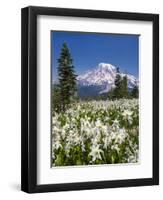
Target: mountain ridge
(104,75)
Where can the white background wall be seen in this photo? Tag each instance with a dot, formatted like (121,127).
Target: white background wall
(10,80)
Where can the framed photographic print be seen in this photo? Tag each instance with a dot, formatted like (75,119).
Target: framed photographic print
(90,99)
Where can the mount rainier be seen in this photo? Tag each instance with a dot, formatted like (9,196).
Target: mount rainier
(101,79)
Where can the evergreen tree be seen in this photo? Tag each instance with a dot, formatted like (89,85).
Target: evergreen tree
(67,78)
(56,98)
(121,87)
(124,87)
(135,92)
(118,85)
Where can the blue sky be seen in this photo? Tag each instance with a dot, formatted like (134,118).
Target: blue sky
(90,49)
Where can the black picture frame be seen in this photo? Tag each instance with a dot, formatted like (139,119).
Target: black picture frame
(29,99)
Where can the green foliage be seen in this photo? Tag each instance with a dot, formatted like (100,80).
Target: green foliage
(118,86)
(56,98)
(135,92)
(121,87)
(124,87)
(111,94)
(67,89)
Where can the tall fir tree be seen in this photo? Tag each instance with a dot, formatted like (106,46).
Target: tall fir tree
(121,87)
(66,77)
(124,89)
(118,85)
(135,91)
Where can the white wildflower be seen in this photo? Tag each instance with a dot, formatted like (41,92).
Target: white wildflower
(96,153)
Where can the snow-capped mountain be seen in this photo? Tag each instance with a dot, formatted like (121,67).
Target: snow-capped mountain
(104,76)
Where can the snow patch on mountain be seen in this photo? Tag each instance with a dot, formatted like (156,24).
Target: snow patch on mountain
(104,75)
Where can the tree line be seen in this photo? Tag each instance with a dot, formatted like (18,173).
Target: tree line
(121,88)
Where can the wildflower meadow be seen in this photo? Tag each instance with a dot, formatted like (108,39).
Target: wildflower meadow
(96,132)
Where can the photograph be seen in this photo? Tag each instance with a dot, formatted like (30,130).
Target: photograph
(94,98)
(89,99)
